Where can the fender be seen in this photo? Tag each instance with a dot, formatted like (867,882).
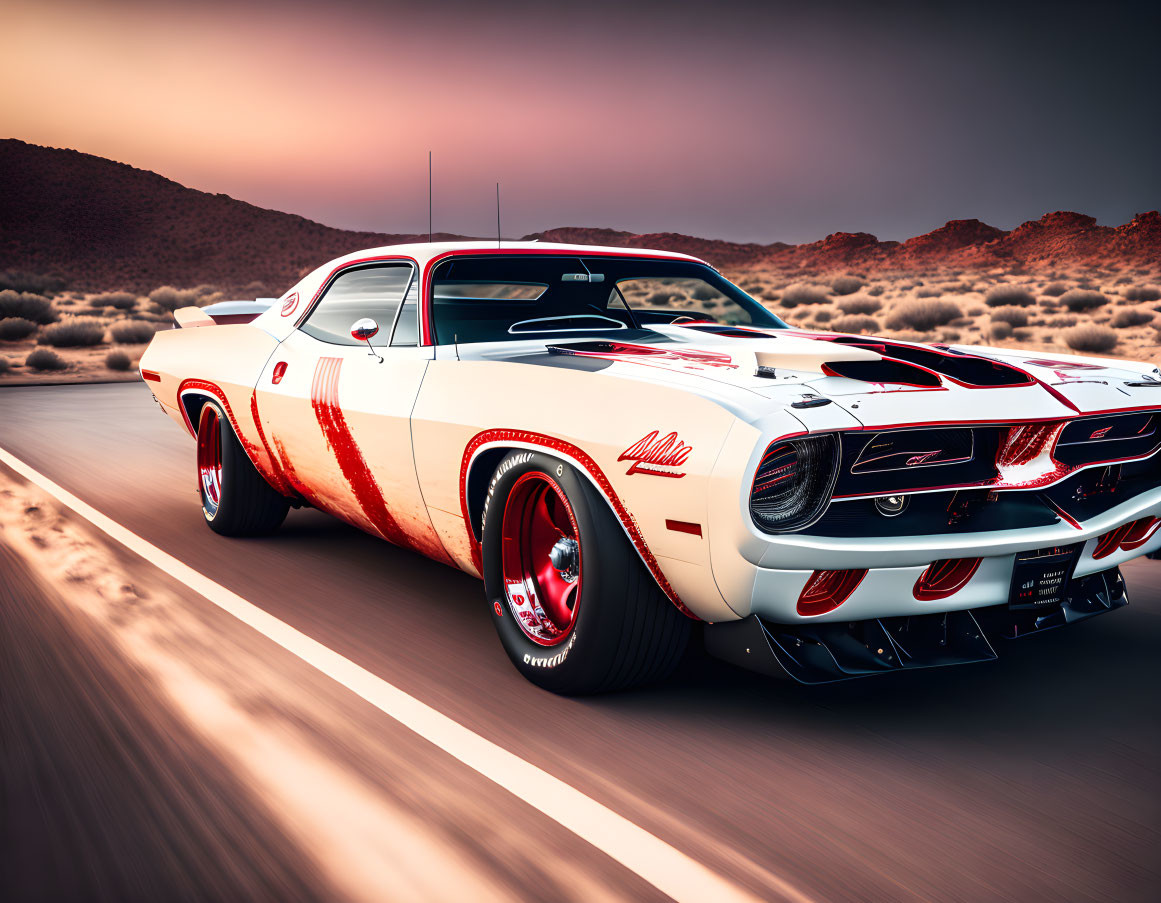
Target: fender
(586,465)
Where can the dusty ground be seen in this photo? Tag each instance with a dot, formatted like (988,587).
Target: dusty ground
(1041,312)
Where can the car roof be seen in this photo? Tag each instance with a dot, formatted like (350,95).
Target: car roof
(423,252)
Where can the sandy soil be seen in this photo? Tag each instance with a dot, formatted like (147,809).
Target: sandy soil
(1007,308)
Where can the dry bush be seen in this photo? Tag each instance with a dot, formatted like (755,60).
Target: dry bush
(949,335)
(823,315)
(860,305)
(770,296)
(36,308)
(169,298)
(118,300)
(963,322)
(43,359)
(117,360)
(929,293)
(1143,293)
(1061,322)
(1013,316)
(924,315)
(133,332)
(1080,299)
(803,294)
(74,333)
(1088,337)
(4,365)
(855,324)
(1126,318)
(13,329)
(1021,335)
(1055,289)
(846,285)
(875,290)
(31,282)
(701,293)
(1005,295)
(1001,331)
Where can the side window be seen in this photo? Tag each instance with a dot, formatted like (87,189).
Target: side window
(407,325)
(374,291)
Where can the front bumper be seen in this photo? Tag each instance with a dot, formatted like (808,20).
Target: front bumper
(765,575)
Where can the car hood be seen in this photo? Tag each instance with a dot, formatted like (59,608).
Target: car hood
(876,381)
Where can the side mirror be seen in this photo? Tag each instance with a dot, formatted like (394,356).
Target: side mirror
(365,329)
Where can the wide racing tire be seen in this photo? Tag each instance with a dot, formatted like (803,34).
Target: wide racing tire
(575,608)
(236,500)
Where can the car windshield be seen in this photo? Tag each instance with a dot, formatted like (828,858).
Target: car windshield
(510,297)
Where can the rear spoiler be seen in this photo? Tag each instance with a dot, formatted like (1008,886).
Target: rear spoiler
(221,314)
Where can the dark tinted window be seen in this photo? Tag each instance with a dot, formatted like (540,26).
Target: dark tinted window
(506,298)
(373,292)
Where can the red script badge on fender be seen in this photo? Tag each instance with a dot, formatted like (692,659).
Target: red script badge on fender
(659,457)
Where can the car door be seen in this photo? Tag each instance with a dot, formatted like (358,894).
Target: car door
(336,409)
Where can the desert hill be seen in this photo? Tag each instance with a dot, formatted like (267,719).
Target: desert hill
(105,225)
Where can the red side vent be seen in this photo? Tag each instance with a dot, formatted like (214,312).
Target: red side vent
(1127,537)
(945,578)
(827,590)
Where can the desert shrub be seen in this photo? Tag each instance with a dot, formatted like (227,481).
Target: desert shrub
(13,329)
(860,305)
(36,308)
(875,290)
(169,298)
(1080,299)
(73,333)
(923,315)
(30,282)
(1009,295)
(949,335)
(963,322)
(846,285)
(1001,331)
(1062,322)
(701,293)
(1143,293)
(855,324)
(770,296)
(133,332)
(119,300)
(43,359)
(4,365)
(1021,335)
(929,293)
(1013,316)
(803,294)
(1125,318)
(1089,337)
(117,360)
(823,315)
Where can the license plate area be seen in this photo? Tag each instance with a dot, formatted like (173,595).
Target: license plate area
(1040,578)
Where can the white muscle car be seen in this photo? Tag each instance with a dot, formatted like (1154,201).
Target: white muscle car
(622,443)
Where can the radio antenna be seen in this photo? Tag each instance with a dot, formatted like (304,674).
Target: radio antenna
(497,214)
(429,197)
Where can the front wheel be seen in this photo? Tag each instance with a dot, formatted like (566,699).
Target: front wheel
(236,500)
(575,608)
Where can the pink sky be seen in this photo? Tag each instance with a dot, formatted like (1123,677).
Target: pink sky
(745,125)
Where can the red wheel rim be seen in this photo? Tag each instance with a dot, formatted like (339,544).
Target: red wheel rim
(543,598)
(210,459)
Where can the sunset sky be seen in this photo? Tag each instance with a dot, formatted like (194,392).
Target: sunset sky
(755,122)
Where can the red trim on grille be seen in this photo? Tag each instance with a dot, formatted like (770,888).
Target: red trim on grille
(579,456)
(827,590)
(944,578)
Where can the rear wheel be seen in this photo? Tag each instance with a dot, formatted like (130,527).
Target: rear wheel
(236,500)
(575,608)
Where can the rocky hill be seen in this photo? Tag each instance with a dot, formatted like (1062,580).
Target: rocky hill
(105,225)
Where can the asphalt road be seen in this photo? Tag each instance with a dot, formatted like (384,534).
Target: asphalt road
(1034,777)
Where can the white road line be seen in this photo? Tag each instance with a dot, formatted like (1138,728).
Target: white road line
(669,870)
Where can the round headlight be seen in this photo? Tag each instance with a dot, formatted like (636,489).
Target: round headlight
(794,481)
